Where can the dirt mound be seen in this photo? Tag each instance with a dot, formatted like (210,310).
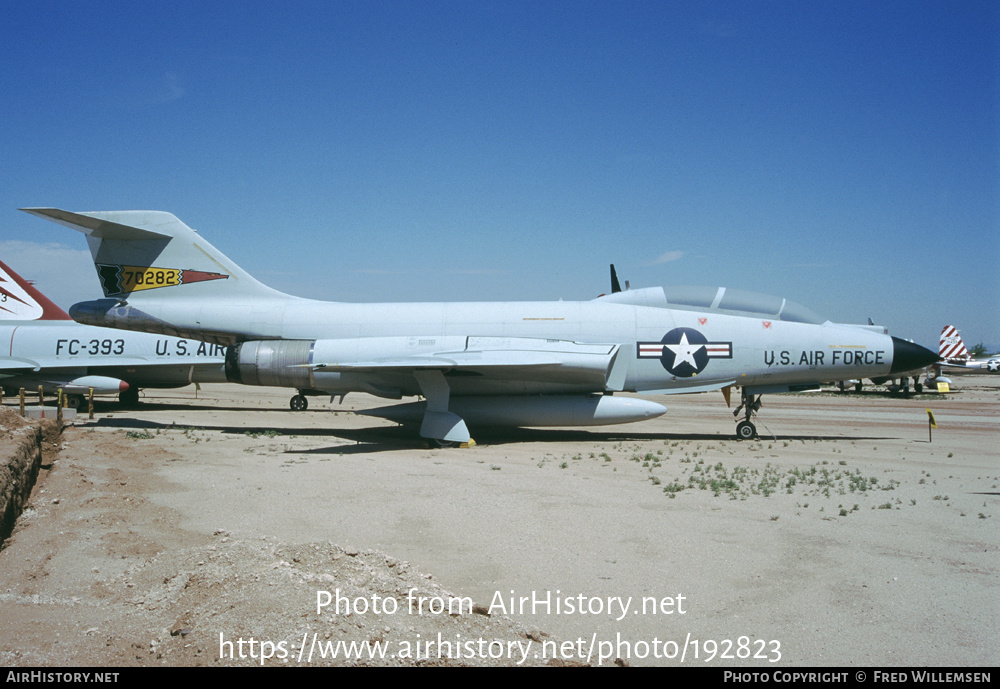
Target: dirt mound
(235,601)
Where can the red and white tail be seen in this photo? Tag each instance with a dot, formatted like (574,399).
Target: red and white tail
(951,346)
(20,301)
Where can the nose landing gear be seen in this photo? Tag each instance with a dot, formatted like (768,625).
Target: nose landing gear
(745,430)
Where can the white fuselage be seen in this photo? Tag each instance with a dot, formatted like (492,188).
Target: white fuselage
(64,350)
(749,350)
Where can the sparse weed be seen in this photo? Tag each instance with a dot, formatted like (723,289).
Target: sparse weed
(267,434)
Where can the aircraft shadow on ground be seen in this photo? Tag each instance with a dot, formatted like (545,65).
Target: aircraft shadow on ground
(115,407)
(886,394)
(386,439)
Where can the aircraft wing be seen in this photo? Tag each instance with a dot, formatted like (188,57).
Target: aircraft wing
(451,360)
(9,363)
(707,387)
(974,365)
(508,358)
(16,364)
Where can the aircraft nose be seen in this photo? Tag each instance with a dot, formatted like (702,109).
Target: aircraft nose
(907,356)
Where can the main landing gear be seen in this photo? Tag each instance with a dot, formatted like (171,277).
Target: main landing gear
(129,398)
(299,402)
(745,430)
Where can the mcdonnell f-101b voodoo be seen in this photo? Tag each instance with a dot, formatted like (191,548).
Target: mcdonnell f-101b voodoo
(548,363)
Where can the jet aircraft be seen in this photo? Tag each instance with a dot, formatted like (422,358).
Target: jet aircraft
(503,363)
(900,381)
(41,345)
(954,354)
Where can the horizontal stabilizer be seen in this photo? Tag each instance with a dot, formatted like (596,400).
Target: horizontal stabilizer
(129,225)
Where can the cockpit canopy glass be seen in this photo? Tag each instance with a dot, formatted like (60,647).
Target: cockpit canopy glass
(740,303)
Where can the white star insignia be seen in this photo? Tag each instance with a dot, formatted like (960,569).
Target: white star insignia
(684,352)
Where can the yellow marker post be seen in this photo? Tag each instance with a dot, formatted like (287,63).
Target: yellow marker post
(931,423)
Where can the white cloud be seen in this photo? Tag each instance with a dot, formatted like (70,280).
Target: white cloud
(667,258)
(64,275)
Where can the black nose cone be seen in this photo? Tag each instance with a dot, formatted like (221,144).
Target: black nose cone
(907,356)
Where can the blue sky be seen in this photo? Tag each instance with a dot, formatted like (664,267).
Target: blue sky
(842,154)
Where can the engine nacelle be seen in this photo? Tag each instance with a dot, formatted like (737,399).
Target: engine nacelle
(276,363)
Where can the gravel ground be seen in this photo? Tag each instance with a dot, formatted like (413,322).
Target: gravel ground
(176,533)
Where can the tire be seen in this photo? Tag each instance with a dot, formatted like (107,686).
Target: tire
(745,431)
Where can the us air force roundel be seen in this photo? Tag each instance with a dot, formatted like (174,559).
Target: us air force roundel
(685,352)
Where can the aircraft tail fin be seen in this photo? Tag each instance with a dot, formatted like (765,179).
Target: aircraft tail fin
(151,256)
(21,301)
(951,346)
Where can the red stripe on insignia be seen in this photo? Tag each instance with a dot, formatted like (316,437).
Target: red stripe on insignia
(189,276)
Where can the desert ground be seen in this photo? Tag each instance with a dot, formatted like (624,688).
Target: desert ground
(209,527)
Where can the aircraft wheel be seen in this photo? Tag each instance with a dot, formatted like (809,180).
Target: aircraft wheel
(918,387)
(74,402)
(746,430)
(858,386)
(299,403)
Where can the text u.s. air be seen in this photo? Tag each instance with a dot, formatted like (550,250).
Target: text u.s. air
(545,363)
(41,347)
